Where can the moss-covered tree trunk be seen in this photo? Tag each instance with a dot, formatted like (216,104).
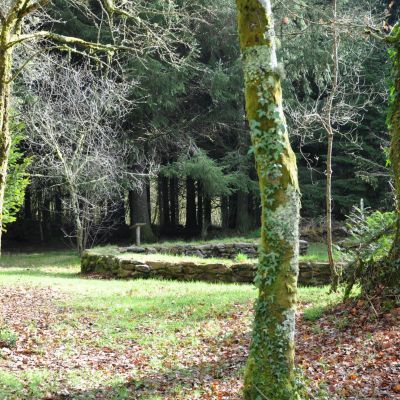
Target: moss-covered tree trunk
(392,270)
(5,94)
(270,367)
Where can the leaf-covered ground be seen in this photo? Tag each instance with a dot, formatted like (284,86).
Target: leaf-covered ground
(90,339)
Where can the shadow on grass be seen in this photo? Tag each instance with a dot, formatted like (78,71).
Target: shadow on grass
(37,273)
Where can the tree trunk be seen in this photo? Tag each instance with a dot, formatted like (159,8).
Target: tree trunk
(225,213)
(139,213)
(174,200)
(5,95)
(330,135)
(394,128)
(270,366)
(165,219)
(200,207)
(207,210)
(58,208)
(243,222)
(191,218)
(79,228)
(232,211)
(28,204)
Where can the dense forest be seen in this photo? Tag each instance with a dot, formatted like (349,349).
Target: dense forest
(187,170)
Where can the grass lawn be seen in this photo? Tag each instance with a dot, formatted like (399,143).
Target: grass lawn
(63,336)
(82,338)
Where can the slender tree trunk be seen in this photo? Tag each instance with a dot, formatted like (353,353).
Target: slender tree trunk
(330,136)
(5,97)
(270,366)
(191,218)
(79,228)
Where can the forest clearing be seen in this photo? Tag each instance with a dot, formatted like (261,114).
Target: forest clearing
(199,199)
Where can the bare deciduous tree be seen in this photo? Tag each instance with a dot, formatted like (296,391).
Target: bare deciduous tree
(340,95)
(73,126)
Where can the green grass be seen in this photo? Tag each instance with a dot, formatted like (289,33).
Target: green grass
(318,252)
(173,324)
(113,251)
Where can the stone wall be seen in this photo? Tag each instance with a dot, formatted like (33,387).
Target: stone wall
(211,250)
(126,267)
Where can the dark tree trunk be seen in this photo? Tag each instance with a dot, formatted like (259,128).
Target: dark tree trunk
(225,213)
(165,202)
(58,208)
(242,212)
(46,215)
(28,204)
(232,211)
(200,213)
(206,216)
(191,217)
(207,210)
(174,201)
(139,212)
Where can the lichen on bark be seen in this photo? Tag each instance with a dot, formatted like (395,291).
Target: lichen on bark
(270,367)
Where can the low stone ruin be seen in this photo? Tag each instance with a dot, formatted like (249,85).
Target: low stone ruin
(211,250)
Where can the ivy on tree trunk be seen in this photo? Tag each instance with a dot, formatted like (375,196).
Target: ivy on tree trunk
(270,368)
(390,274)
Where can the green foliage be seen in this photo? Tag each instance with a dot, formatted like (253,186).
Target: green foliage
(371,237)
(241,258)
(371,233)
(17,178)
(202,168)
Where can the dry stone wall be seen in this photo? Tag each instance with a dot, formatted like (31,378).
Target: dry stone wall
(211,250)
(126,267)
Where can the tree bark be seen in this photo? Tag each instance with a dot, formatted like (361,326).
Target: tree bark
(394,128)
(5,94)
(330,136)
(191,216)
(270,367)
